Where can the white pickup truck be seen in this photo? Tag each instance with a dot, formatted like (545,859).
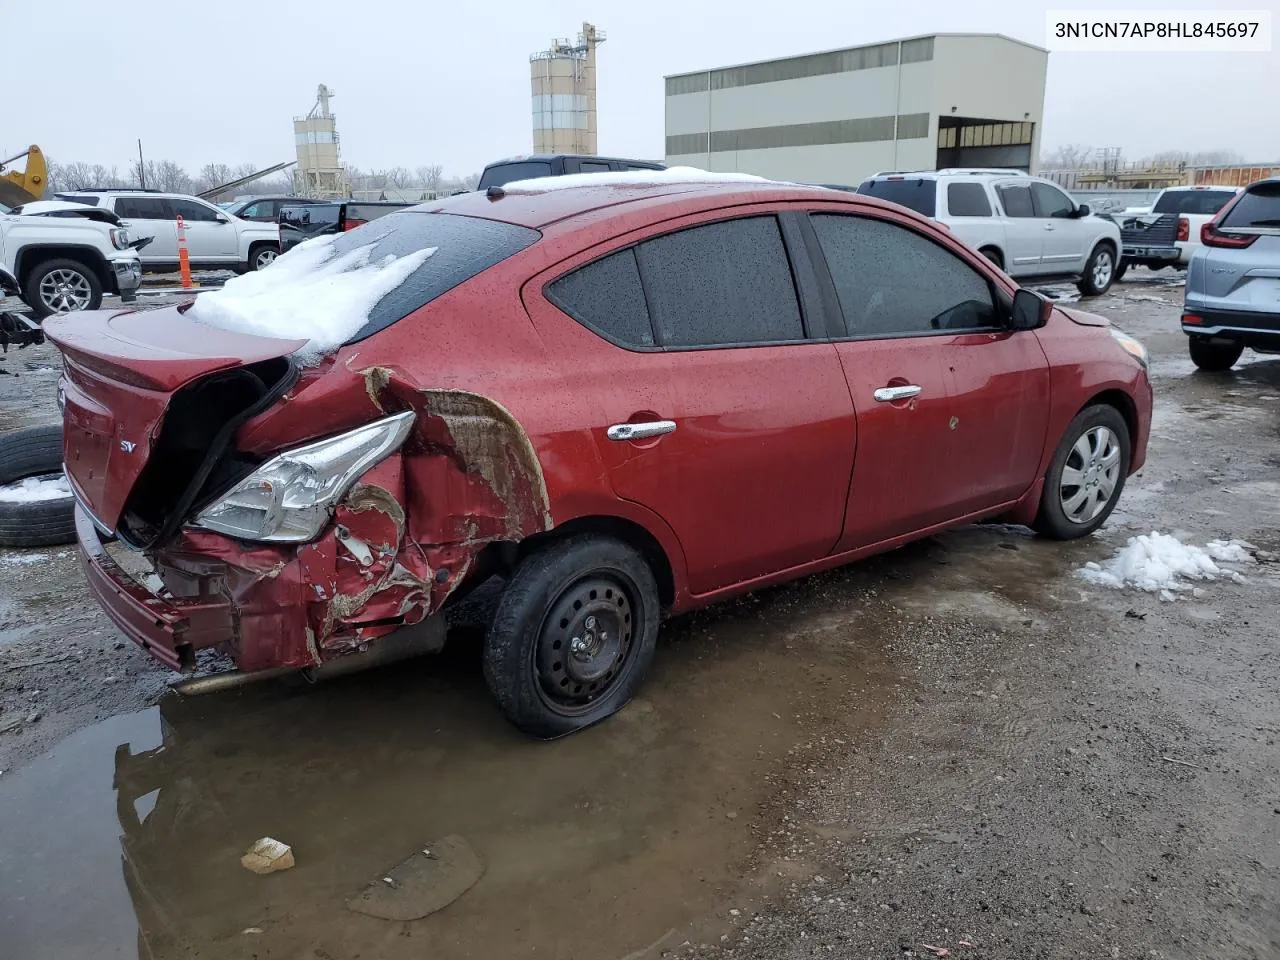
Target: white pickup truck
(215,238)
(66,256)
(1168,232)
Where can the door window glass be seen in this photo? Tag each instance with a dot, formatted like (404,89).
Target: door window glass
(1016,201)
(1051,202)
(141,208)
(606,296)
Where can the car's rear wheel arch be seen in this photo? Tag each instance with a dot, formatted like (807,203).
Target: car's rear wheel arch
(619,528)
(993,253)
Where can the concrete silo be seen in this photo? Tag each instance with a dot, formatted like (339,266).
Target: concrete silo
(564,94)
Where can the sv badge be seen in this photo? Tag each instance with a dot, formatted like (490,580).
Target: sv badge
(127,446)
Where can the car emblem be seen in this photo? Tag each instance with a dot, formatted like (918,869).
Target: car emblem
(127,446)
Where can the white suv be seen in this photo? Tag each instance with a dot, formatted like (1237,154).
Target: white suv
(215,239)
(1027,226)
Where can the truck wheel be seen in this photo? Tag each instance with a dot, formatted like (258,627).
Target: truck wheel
(1086,475)
(1214,357)
(1099,272)
(36,506)
(263,256)
(573,636)
(61,286)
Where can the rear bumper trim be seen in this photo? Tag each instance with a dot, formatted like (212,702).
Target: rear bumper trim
(169,630)
(1231,322)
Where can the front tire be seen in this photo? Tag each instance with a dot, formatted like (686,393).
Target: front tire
(1214,357)
(1086,475)
(1099,272)
(262,256)
(61,286)
(573,636)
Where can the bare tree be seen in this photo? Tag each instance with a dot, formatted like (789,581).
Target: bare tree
(76,176)
(399,177)
(1066,157)
(213,175)
(471,181)
(429,176)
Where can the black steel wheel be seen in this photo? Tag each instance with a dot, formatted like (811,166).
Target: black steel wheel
(573,635)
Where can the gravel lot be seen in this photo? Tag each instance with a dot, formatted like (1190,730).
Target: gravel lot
(960,746)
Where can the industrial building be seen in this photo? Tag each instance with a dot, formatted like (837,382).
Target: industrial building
(946,100)
(564,94)
(320,172)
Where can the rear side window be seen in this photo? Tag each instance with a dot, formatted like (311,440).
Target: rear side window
(968,200)
(877,269)
(1192,202)
(1258,207)
(1016,201)
(607,297)
(89,199)
(917,193)
(465,246)
(593,166)
(504,173)
(719,284)
(142,208)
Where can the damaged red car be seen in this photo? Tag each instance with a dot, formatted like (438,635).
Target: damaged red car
(627,399)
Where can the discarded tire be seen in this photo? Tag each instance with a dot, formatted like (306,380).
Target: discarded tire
(36,506)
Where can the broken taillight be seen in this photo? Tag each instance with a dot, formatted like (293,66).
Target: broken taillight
(1184,229)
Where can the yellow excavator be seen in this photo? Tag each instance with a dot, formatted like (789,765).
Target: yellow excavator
(17,188)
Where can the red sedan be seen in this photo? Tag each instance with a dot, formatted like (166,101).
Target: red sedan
(628,399)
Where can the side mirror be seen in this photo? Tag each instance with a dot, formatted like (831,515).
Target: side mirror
(221,219)
(1083,210)
(1030,310)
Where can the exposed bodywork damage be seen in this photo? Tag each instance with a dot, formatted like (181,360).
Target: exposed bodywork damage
(375,381)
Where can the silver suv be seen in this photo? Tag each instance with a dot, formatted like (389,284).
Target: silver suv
(1233,281)
(1027,226)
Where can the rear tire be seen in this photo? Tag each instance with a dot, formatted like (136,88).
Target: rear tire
(1099,271)
(61,286)
(1086,475)
(573,636)
(992,254)
(35,452)
(1214,357)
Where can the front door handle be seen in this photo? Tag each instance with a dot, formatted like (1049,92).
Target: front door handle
(889,394)
(640,431)
(1048,226)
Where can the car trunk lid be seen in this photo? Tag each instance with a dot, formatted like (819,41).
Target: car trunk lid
(121,370)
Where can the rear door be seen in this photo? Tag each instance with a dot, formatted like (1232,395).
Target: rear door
(951,406)
(1067,238)
(211,236)
(716,411)
(149,217)
(1024,232)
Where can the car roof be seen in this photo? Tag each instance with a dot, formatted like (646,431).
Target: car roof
(543,208)
(1201,186)
(547,157)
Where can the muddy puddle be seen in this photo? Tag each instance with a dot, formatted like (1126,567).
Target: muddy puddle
(125,840)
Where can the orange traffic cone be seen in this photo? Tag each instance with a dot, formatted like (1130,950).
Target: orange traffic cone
(184,259)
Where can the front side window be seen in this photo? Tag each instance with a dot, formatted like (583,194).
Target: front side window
(968,200)
(1051,202)
(191,212)
(1016,200)
(877,268)
(260,209)
(721,284)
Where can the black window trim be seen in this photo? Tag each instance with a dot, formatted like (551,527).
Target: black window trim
(1000,299)
(794,246)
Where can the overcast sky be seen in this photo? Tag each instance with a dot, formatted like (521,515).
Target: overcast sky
(421,83)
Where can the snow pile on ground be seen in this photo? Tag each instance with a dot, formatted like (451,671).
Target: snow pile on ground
(311,293)
(35,489)
(1160,563)
(628,178)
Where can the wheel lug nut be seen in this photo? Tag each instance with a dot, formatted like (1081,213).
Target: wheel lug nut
(590,623)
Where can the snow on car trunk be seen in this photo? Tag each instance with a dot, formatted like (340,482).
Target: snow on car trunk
(313,292)
(1160,563)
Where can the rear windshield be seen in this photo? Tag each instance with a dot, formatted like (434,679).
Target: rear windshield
(917,193)
(503,173)
(1259,207)
(465,246)
(1192,201)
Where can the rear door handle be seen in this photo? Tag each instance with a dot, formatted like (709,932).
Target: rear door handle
(889,394)
(1048,226)
(640,431)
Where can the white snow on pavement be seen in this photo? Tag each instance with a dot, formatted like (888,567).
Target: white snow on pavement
(25,559)
(311,293)
(1160,563)
(628,178)
(35,489)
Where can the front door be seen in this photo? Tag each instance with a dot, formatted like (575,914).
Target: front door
(211,237)
(1066,236)
(951,406)
(716,413)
